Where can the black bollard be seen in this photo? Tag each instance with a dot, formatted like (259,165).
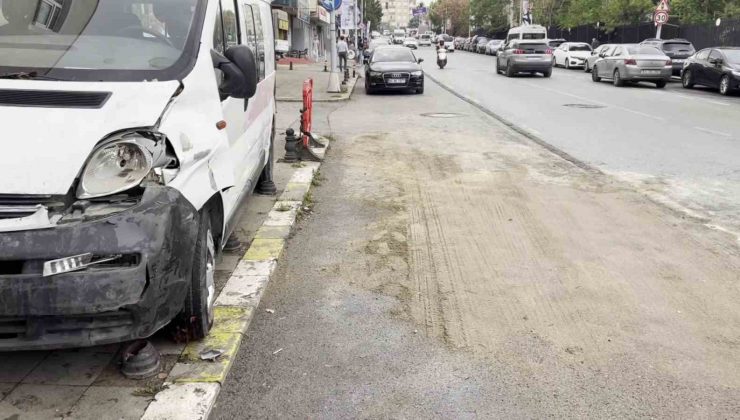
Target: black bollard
(265,185)
(291,144)
(291,64)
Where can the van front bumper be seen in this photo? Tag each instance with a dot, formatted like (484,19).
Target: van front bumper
(125,299)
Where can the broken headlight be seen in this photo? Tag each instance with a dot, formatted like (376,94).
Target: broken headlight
(121,164)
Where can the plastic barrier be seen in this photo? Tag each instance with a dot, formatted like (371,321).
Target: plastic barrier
(307,112)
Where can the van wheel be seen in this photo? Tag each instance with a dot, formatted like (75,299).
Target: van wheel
(618,79)
(547,73)
(595,75)
(265,184)
(196,318)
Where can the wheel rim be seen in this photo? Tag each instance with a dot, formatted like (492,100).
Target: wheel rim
(616,77)
(210,274)
(687,78)
(723,84)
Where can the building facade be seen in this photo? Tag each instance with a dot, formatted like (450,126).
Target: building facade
(301,25)
(396,13)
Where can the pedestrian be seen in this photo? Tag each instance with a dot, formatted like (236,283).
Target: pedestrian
(342,49)
(595,43)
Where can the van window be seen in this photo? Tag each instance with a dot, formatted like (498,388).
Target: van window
(218,34)
(533,35)
(230,23)
(260,42)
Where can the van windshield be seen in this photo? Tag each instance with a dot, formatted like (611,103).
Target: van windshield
(100,40)
(530,35)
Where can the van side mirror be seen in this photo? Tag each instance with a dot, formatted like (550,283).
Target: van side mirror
(239,68)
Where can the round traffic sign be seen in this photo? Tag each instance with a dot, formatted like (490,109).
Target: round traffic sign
(330,5)
(661,17)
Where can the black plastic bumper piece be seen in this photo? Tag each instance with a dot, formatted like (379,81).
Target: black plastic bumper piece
(105,304)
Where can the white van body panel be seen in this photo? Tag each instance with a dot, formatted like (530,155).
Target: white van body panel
(518,32)
(53,146)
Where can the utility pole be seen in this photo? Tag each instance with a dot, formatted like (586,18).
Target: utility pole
(334,84)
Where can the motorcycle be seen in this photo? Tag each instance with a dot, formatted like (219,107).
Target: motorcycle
(441,58)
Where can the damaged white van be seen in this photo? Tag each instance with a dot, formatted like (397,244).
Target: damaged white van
(132,131)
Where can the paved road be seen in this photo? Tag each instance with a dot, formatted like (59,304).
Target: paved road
(680,145)
(454,269)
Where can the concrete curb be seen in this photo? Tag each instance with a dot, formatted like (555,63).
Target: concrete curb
(193,385)
(346,96)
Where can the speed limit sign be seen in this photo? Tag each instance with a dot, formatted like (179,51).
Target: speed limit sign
(661,17)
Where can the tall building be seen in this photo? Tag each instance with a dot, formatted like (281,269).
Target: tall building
(397,13)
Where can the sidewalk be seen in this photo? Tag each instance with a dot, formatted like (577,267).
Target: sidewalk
(290,82)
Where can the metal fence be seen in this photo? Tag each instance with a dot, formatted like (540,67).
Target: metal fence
(702,36)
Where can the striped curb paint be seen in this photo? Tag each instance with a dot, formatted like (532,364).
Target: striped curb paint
(193,385)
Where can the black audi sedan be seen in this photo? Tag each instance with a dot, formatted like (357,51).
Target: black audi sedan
(717,68)
(393,68)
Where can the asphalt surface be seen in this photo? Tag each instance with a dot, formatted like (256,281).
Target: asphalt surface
(452,268)
(680,145)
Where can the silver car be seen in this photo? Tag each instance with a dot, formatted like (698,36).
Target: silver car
(633,63)
(524,56)
(599,52)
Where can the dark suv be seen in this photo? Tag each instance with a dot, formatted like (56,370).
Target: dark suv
(677,49)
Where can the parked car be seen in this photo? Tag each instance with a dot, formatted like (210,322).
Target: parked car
(411,43)
(367,52)
(554,43)
(393,68)
(633,63)
(471,43)
(458,42)
(113,228)
(425,40)
(492,46)
(524,56)
(717,68)
(678,50)
(571,54)
(480,45)
(596,54)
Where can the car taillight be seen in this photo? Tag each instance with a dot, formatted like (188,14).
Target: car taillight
(668,63)
(630,62)
(519,52)
(548,51)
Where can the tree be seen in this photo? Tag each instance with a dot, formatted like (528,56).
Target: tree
(457,12)
(373,13)
(414,22)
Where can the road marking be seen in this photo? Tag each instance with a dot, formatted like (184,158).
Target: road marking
(696,97)
(654,117)
(718,133)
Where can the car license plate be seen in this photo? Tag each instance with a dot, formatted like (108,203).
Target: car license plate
(651,72)
(396,81)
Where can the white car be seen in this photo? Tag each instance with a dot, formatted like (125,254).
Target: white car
(571,54)
(425,40)
(125,163)
(411,43)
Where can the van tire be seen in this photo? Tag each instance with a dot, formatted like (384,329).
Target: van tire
(547,73)
(196,318)
(265,183)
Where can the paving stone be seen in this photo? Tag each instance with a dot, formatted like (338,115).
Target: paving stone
(110,403)
(5,390)
(15,366)
(70,367)
(29,401)
(183,402)
(242,291)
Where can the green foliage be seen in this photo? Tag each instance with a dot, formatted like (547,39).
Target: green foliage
(456,11)
(373,13)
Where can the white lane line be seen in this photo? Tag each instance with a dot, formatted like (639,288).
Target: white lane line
(694,98)
(717,133)
(654,117)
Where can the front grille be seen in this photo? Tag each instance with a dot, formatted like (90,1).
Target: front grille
(13,206)
(53,99)
(13,328)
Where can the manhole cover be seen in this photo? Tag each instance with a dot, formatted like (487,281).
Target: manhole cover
(440,115)
(584,106)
